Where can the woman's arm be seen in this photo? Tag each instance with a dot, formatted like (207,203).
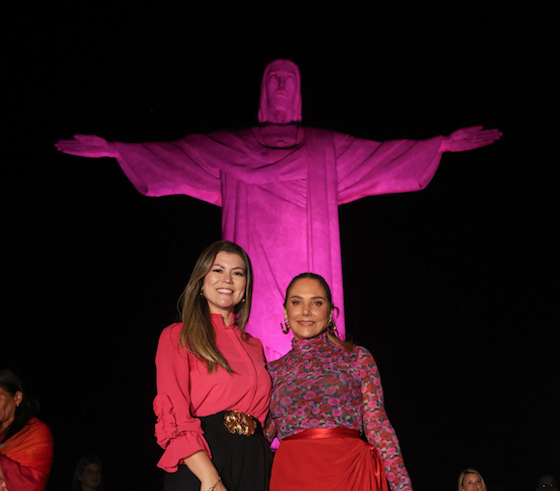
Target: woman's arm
(21,476)
(376,424)
(270,428)
(202,467)
(177,431)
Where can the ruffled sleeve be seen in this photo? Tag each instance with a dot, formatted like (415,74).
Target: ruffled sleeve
(176,431)
(376,424)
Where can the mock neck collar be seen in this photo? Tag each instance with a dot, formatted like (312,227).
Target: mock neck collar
(218,321)
(305,345)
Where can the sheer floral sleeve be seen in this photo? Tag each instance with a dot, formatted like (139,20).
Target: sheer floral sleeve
(269,429)
(376,424)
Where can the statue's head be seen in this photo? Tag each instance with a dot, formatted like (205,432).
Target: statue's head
(280,93)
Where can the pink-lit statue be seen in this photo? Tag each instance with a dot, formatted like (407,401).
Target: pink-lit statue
(279,185)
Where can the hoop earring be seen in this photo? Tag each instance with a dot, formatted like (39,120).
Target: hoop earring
(286,328)
(331,328)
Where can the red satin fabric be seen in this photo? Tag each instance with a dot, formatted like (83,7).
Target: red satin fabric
(327,459)
(320,433)
(26,458)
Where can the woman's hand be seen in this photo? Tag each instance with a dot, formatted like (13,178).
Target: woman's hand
(219,486)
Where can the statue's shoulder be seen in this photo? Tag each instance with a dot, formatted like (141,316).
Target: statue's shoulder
(228,138)
(324,133)
(230,135)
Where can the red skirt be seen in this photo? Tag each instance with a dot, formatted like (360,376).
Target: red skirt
(325,459)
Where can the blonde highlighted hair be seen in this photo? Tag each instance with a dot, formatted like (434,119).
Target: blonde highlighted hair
(198,336)
(467,472)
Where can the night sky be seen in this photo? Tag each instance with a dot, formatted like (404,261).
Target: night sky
(453,289)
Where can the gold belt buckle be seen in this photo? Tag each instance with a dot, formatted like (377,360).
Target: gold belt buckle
(241,423)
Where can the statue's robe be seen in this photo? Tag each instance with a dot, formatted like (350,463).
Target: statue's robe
(281,204)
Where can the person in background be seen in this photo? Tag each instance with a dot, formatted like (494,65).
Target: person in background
(26,444)
(213,389)
(326,396)
(87,476)
(471,480)
(547,482)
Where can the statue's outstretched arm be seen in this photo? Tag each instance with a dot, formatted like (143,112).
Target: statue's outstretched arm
(88,146)
(469,139)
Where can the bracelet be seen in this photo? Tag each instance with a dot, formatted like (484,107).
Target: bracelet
(217,482)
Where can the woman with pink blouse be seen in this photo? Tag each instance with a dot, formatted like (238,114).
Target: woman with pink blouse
(213,390)
(327,400)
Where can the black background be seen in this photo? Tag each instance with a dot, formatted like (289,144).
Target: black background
(453,289)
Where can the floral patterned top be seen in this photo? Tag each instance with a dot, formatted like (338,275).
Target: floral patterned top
(319,385)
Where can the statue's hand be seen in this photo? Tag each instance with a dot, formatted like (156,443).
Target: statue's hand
(469,139)
(88,146)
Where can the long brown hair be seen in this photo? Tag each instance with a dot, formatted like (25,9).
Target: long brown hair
(348,345)
(198,336)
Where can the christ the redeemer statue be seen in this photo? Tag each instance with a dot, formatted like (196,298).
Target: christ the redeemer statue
(279,185)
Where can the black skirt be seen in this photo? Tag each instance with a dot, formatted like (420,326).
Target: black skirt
(243,462)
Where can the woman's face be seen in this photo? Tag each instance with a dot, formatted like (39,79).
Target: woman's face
(8,403)
(224,285)
(91,476)
(471,482)
(307,308)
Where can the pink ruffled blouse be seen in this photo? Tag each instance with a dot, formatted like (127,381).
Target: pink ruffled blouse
(186,391)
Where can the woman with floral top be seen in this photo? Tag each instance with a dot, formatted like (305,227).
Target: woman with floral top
(327,400)
(213,390)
